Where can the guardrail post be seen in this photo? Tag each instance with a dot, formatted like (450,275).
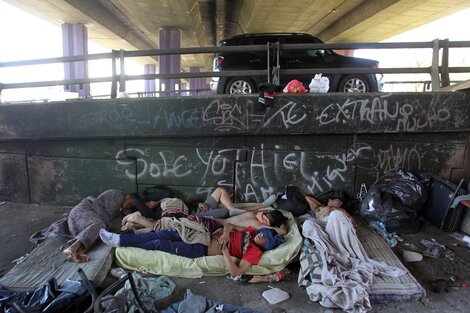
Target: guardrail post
(435,65)
(114,73)
(268,61)
(122,72)
(276,68)
(445,79)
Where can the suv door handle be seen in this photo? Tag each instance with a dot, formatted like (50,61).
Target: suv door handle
(292,61)
(255,60)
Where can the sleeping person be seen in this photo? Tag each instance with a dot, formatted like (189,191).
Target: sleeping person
(246,244)
(347,271)
(84,222)
(218,205)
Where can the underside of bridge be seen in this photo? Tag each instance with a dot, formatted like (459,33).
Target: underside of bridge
(130,25)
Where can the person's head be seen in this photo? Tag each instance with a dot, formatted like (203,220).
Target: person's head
(127,206)
(273,218)
(268,238)
(335,202)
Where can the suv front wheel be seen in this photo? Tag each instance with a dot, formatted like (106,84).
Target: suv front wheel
(354,83)
(240,85)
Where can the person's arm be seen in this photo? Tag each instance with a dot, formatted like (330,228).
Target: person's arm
(203,207)
(233,269)
(353,221)
(253,208)
(282,230)
(224,240)
(136,219)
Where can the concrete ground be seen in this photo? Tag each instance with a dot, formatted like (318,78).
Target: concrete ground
(19,221)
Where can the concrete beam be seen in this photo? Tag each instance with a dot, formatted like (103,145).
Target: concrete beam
(220,19)
(114,20)
(381,19)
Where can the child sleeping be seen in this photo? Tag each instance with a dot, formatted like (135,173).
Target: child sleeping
(247,244)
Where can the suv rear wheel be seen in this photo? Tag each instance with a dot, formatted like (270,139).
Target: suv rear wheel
(240,85)
(354,83)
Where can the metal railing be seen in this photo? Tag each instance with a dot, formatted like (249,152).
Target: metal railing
(439,72)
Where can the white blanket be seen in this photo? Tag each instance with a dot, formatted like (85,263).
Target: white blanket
(347,271)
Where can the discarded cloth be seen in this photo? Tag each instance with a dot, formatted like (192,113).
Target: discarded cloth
(433,248)
(347,270)
(199,304)
(150,291)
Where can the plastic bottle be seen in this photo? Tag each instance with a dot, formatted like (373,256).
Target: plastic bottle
(278,276)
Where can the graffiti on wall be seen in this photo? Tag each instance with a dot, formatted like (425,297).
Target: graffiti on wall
(264,172)
(402,116)
(222,115)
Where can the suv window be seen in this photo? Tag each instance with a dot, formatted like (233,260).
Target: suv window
(264,40)
(244,42)
(301,53)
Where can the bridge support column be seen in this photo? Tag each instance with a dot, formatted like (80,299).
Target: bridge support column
(183,86)
(75,42)
(169,38)
(150,83)
(196,84)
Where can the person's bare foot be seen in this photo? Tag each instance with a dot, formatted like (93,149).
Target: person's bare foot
(84,257)
(71,254)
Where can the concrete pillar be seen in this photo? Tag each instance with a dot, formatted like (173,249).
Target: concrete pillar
(150,83)
(169,38)
(183,87)
(196,83)
(75,42)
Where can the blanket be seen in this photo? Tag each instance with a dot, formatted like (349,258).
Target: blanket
(162,263)
(348,271)
(189,231)
(86,219)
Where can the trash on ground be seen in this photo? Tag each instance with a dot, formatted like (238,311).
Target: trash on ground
(411,256)
(275,295)
(118,272)
(464,239)
(433,248)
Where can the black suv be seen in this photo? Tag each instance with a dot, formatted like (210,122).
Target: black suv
(289,59)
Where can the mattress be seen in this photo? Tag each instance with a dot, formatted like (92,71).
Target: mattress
(47,261)
(388,289)
(162,263)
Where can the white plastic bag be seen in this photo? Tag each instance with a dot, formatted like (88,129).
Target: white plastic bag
(319,84)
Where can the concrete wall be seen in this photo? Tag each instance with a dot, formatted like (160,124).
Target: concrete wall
(58,153)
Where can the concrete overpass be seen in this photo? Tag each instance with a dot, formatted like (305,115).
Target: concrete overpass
(130,25)
(59,152)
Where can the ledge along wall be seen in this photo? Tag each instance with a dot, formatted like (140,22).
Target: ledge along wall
(61,152)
